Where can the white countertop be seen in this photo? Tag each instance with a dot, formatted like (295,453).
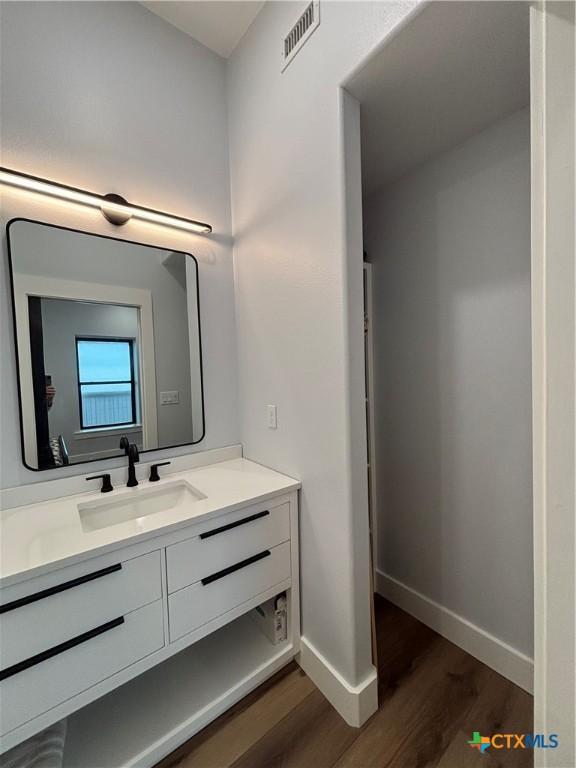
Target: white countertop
(39,536)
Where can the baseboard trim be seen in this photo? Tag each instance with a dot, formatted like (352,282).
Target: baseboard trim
(355,704)
(500,656)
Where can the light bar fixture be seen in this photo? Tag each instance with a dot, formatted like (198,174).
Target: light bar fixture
(113,207)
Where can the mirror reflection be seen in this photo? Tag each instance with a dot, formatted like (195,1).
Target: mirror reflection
(97,323)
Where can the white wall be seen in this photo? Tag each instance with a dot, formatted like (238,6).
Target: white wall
(553,106)
(286,148)
(450,244)
(109,97)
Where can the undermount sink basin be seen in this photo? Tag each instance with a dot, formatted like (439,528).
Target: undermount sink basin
(137,503)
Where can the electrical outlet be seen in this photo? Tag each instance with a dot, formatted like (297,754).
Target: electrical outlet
(271,417)
(170,398)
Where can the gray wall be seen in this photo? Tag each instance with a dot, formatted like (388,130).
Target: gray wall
(451,251)
(62,321)
(109,97)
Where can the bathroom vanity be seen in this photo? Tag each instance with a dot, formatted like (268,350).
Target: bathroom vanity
(130,612)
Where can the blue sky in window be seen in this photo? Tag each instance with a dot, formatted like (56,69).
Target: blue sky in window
(104,361)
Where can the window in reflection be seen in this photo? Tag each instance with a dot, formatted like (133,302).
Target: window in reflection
(106,382)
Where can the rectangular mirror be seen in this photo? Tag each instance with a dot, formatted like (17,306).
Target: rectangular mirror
(108,344)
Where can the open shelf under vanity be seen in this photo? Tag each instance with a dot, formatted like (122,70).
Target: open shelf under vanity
(144,720)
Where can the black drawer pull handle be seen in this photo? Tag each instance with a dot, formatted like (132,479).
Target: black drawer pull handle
(257,516)
(57,649)
(236,567)
(59,588)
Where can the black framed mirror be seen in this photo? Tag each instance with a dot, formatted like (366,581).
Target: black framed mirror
(108,344)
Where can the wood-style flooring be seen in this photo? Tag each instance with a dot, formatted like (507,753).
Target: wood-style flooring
(432,695)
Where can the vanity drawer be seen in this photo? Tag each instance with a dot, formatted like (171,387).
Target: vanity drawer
(220,591)
(67,604)
(228,540)
(97,654)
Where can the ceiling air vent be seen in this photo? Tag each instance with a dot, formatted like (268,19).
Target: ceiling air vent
(300,32)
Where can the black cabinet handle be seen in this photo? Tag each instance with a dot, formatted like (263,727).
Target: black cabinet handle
(228,527)
(59,588)
(236,567)
(57,649)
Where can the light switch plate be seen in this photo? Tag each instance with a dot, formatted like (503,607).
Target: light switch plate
(271,417)
(170,398)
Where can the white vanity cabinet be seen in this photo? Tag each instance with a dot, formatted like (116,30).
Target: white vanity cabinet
(47,612)
(225,542)
(101,638)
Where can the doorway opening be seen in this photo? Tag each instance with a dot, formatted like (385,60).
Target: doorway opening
(445,134)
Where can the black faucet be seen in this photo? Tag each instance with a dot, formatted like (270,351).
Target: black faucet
(154,476)
(133,458)
(131,450)
(106,483)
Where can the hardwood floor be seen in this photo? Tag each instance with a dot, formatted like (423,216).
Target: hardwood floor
(432,697)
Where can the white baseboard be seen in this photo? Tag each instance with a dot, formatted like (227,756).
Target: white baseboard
(500,656)
(355,704)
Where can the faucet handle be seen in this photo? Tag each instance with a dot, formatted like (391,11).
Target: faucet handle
(124,444)
(154,476)
(106,483)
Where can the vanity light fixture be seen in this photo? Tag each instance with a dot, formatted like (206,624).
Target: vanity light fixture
(113,207)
